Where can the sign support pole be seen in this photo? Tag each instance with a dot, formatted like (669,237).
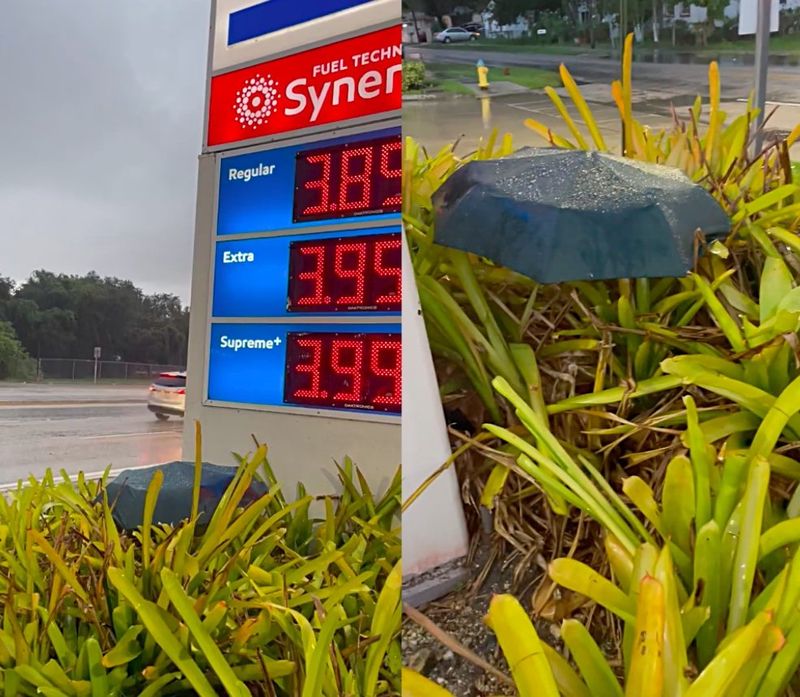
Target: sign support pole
(761,64)
(97,354)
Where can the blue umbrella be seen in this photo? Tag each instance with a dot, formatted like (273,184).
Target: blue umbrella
(126,494)
(567,215)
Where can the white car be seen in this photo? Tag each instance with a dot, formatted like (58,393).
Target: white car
(168,395)
(454,34)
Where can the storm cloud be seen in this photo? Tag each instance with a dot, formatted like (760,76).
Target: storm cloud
(101,115)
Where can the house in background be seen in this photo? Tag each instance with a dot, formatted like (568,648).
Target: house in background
(493,29)
(686,12)
(419,31)
(461,15)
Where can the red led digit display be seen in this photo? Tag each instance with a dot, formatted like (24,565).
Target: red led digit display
(345,274)
(344,181)
(344,370)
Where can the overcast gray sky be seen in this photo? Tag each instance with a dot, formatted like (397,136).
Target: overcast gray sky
(101,112)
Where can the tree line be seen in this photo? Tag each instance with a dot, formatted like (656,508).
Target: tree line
(63,316)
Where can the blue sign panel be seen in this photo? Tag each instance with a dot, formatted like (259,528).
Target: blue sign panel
(252,277)
(324,366)
(273,15)
(338,181)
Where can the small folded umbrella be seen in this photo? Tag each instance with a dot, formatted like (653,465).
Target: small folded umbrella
(566,215)
(126,494)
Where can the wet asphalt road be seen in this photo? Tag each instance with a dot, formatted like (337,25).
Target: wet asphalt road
(657,89)
(687,81)
(80,428)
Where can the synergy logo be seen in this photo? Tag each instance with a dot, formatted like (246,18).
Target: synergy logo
(350,79)
(256,101)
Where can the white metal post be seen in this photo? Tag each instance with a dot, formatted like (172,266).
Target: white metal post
(761,63)
(434,527)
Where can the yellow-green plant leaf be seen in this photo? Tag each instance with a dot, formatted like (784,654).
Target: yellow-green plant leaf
(721,672)
(707,579)
(521,647)
(55,559)
(746,556)
(97,673)
(125,650)
(183,604)
(678,500)
(495,484)
(151,617)
(568,681)
(776,282)
(675,659)
(416,685)
(639,491)
(385,625)
(620,560)
(646,675)
(596,672)
(581,578)
(150,500)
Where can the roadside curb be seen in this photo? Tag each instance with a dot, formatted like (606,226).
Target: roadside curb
(420,97)
(72,403)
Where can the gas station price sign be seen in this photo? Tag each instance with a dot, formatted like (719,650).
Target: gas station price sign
(306,291)
(339,181)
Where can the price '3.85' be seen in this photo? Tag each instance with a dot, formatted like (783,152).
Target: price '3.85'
(364,178)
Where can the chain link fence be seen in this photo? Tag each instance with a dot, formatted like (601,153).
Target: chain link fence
(80,370)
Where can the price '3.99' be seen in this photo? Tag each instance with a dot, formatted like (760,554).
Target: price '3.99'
(344,370)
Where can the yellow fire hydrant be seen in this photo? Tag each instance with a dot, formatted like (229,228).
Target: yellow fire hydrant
(483,75)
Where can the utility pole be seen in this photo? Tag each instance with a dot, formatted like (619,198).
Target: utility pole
(762,61)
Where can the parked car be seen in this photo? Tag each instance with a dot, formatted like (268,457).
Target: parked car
(454,34)
(168,395)
(473,27)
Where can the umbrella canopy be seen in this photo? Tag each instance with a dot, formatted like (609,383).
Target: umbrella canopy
(567,215)
(126,494)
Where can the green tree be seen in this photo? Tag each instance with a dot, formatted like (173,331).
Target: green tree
(57,315)
(434,8)
(14,361)
(507,11)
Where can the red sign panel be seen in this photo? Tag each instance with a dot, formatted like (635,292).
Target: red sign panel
(354,78)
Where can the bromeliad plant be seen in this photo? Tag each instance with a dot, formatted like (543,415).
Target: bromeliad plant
(264,598)
(687,388)
(723,554)
(708,591)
